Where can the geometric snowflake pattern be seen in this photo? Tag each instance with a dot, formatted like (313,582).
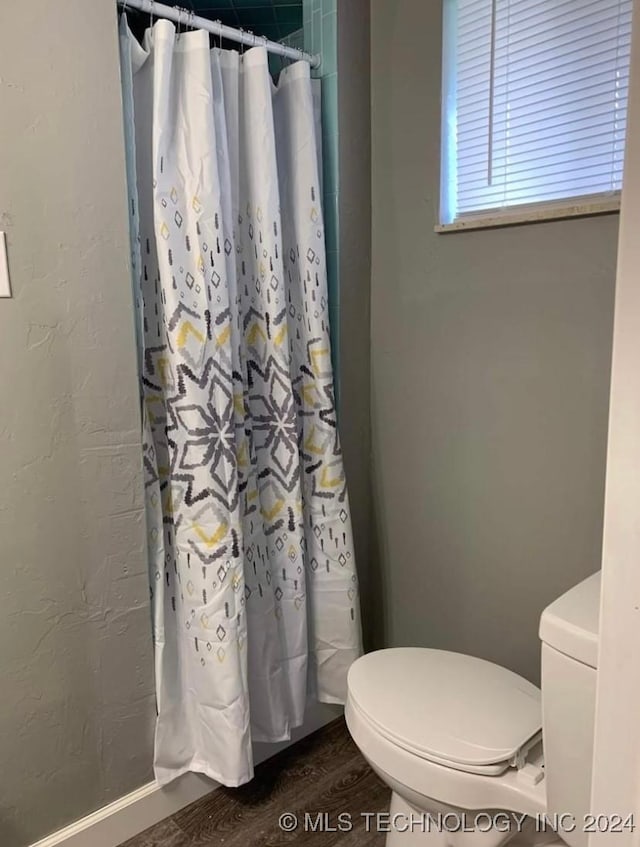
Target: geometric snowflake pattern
(252,568)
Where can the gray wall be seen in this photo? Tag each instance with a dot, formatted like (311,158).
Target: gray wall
(354,198)
(77,705)
(490,375)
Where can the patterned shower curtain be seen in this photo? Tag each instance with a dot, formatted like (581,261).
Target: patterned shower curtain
(253,580)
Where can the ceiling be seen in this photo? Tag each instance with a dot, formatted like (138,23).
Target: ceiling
(274,19)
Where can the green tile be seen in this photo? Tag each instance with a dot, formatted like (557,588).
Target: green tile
(271,31)
(331,235)
(295,39)
(289,15)
(329,43)
(226,15)
(334,323)
(332,275)
(293,26)
(330,153)
(330,211)
(254,15)
(316,28)
(242,4)
(330,102)
(228,18)
(334,332)
(311,34)
(256,18)
(212,5)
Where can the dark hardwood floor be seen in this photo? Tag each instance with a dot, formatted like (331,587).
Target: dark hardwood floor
(317,780)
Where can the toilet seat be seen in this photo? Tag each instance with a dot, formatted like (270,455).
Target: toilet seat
(454,710)
(415,777)
(383,727)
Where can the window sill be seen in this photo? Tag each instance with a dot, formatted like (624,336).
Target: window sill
(532,214)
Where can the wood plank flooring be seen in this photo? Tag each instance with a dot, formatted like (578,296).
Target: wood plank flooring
(324,774)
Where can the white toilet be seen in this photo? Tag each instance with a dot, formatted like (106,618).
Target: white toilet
(460,740)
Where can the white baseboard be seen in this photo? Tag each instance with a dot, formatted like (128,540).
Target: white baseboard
(146,806)
(126,817)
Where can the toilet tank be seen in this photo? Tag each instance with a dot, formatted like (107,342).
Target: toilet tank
(569,634)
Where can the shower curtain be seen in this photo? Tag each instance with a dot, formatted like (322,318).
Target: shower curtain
(253,581)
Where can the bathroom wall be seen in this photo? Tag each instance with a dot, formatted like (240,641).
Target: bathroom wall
(77,705)
(354,274)
(490,378)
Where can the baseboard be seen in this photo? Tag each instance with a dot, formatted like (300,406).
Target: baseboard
(146,806)
(126,817)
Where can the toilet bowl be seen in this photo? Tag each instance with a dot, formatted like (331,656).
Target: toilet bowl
(459,740)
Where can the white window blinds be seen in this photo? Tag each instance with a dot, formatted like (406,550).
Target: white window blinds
(535,101)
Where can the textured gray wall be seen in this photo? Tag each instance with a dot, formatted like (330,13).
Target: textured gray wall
(490,369)
(77,704)
(354,119)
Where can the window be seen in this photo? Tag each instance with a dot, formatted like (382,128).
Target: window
(534,108)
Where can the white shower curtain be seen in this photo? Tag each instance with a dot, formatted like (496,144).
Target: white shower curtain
(253,580)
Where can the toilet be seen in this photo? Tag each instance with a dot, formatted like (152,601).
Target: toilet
(474,754)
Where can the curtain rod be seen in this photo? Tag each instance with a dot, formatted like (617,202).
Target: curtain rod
(188,18)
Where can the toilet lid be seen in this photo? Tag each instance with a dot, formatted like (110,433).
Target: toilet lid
(446,706)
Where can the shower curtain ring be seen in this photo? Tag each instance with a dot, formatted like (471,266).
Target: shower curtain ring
(189,15)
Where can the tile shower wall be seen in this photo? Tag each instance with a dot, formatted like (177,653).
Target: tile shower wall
(274,18)
(294,39)
(320,36)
